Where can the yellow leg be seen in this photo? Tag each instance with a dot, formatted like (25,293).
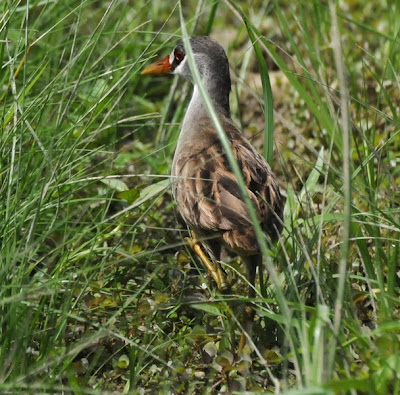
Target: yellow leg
(248,319)
(215,269)
(242,343)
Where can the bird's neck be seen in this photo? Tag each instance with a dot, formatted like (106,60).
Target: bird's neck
(197,115)
(219,97)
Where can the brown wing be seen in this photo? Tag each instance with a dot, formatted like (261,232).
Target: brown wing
(208,195)
(262,183)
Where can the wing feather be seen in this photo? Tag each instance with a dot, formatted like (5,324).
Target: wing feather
(208,195)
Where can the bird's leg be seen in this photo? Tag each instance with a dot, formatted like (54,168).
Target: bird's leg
(248,315)
(248,319)
(214,269)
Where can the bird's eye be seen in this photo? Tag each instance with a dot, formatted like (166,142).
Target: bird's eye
(179,55)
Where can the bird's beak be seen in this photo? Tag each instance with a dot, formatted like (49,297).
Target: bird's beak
(160,67)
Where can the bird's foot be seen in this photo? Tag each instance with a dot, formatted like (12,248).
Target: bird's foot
(214,269)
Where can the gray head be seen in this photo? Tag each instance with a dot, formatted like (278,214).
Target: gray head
(210,59)
(211,62)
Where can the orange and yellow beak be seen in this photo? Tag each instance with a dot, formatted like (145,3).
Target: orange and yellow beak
(160,67)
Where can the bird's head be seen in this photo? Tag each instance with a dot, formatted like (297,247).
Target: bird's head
(209,56)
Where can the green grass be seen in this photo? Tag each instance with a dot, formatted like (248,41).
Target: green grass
(98,291)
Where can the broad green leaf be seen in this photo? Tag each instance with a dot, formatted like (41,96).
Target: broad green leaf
(151,191)
(130,195)
(115,183)
(208,308)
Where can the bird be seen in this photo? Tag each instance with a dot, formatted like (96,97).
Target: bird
(205,189)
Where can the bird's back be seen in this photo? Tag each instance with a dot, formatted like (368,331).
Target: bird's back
(207,192)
